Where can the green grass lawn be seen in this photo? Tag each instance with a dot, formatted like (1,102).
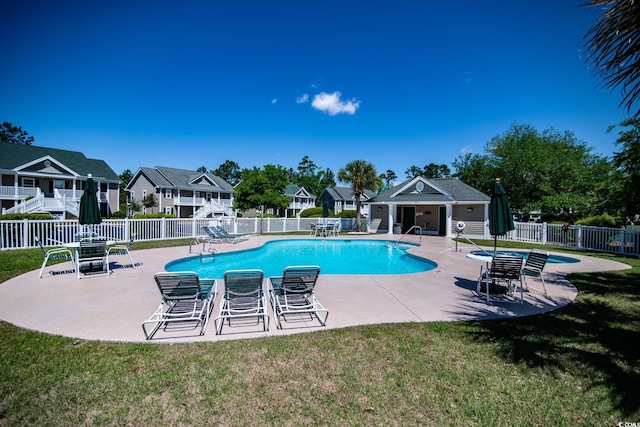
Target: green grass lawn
(577,366)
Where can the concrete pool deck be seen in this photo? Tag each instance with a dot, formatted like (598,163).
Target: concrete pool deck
(112,308)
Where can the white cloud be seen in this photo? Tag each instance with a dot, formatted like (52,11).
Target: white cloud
(304,98)
(274,100)
(331,104)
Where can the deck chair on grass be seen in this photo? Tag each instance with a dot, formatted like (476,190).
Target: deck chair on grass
(293,294)
(243,298)
(187,301)
(533,267)
(92,257)
(123,249)
(505,269)
(55,254)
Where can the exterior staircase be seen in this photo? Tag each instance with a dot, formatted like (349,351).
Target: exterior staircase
(213,208)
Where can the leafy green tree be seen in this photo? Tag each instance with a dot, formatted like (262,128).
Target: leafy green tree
(14,134)
(433,170)
(328,180)
(361,175)
(413,172)
(388,178)
(229,171)
(262,187)
(627,160)
(132,207)
(125,178)
(549,167)
(476,170)
(612,46)
(149,201)
(202,169)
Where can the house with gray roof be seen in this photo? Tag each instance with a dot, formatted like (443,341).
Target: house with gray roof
(340,199)
(301,199)
(181,192)
(41,179)
(436,206)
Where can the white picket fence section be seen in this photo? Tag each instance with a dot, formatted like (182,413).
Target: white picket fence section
(21,234)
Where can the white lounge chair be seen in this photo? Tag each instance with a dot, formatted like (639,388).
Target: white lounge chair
(54,254)
(92,257)
(186,300)
(121,249)
(243,298)
(293,293)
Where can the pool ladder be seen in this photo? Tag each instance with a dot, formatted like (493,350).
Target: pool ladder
(415,227)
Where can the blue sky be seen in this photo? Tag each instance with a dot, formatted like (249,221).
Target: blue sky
(195,83)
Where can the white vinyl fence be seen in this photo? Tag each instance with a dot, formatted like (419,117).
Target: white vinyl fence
(22,233)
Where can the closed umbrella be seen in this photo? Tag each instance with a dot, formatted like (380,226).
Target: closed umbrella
(89,212)
(325,209)
(500,217)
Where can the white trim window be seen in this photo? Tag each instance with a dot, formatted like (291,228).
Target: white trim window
(168,194)
(28,182)
(168,210)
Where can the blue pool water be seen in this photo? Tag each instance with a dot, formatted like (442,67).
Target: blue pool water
(553,259)
(333,257)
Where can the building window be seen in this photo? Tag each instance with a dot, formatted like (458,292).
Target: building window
(168,210)
(168,193)
(28,182)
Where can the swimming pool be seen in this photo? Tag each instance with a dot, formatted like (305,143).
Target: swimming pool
(553,259)
(333,257)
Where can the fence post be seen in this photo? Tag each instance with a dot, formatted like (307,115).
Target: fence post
(543,237)
(163,225)
(25,234)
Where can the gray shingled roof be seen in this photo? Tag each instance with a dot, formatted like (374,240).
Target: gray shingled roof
(452,190)
(165,177)
(15,155)
(293,189)
(346,193)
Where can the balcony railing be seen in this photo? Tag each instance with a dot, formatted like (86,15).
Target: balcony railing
(16,193)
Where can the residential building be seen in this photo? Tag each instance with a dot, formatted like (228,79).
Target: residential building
(41,179)
(181,192)
(301,199)
(434,205)
(342,199)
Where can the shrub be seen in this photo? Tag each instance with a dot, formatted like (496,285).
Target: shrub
(154,215)
(604,220)
(314,213)
(118,214)
(19,216)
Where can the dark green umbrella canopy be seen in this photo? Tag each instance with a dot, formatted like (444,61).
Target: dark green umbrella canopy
(500,217)
(325,209)
(89,209)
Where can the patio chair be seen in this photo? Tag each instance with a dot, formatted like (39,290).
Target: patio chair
(92,257)
(54,254)
(232,237)
(293,294)
(213,235)
(243,298)
(187,302)
(503,268)
(533,267)
(122,249)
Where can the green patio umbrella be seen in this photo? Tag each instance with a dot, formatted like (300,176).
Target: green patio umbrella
(89,212)
(500,217)
(325,209)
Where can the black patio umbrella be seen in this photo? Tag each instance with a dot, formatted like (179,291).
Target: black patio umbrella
(89,212)
(500,217)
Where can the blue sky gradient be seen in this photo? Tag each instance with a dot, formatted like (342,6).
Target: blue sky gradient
(195,83)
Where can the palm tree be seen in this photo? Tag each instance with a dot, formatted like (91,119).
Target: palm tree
(361,175)
(612,47)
